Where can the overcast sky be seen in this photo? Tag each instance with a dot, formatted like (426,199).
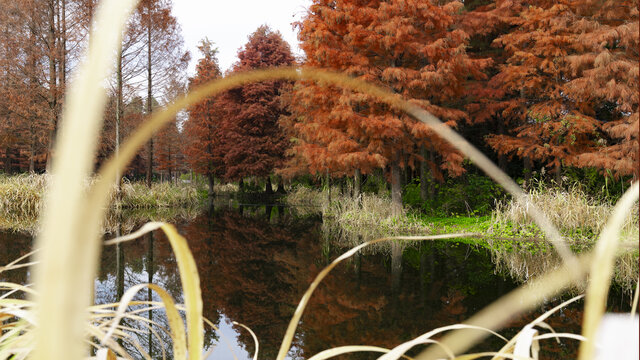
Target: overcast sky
(228,23)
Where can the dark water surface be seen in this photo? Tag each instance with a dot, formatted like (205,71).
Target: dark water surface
(255,263)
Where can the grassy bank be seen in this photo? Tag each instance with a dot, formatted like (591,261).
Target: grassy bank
(518,246)
(22,199)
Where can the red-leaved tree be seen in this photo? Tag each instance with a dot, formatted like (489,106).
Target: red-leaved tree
(256,142)
(205,147)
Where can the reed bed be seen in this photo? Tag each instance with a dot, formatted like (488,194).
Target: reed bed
(578,216)
(24,194)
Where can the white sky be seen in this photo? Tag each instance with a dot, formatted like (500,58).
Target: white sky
(228,23)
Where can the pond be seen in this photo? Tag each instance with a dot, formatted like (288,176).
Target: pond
(255,263)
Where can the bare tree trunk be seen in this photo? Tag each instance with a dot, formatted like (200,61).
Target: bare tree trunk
(396,190)
(119,111)
(53,77)
(268,189)
(557,173)
(149,98)
(424,175)
(211,184)
(527,171)
(357,180)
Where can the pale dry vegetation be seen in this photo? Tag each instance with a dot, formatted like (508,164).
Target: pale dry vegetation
(579,217)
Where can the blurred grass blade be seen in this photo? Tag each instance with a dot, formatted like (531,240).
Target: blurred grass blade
(146,228)
(105,354)
(191,290)
(175,321)
(487,354)
(189,278)
(67,265)
(539,321)
(255,339)
(403,348)
(526,346)
(341,350)
(602,270)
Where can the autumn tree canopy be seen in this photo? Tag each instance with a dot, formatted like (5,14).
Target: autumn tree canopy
(409,47)
(256,142)
(205,147)
(568,86)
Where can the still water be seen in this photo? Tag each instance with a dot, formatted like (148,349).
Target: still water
(255,263)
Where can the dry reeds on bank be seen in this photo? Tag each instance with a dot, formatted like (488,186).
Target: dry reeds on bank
(579,216)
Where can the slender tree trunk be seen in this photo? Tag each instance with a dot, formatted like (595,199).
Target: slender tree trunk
(424,175)
(527,171)
(119,111)
(357,180)
(557,173)
(149,98)
(211,183)
(7,160)
(241,185)
(32,152)
(281,189)
(268,189)
(53,77)
(396,189)
(327,185)
(502,158)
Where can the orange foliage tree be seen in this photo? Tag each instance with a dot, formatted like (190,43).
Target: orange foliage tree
(409,47)
(569,84)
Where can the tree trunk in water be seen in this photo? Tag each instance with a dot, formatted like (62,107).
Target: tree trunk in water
(396,190)
(150,271)
(268,189)
(527,171)
(396,265)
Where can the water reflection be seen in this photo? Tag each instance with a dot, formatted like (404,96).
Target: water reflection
(255,262)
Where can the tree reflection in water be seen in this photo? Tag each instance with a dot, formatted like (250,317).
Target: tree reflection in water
(256,262)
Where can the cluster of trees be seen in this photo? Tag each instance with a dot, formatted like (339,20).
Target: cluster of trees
(41,42)
(237,134)
(550,83)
